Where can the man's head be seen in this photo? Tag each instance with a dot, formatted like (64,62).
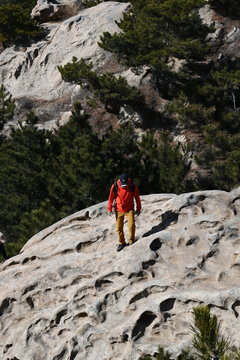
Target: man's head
(123,180)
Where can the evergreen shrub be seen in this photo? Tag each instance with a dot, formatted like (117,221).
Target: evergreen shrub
(16,25)
(7,106)
(155,32)
(110,90)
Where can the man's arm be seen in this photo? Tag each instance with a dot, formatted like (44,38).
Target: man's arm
(137,198)
(110,199)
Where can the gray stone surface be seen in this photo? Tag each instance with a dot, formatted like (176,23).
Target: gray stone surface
(225,39)
(47,10)
(70,295)
(31,74)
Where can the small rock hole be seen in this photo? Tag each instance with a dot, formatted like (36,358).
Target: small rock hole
(167,304)
(142,323)
(155,245)
(30,302)
(192,241)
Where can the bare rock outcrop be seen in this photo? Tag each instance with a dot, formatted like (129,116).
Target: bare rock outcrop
(225,39)
(70,295)
(47,10)
(31,74)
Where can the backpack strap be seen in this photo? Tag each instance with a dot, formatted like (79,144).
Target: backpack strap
(115,188)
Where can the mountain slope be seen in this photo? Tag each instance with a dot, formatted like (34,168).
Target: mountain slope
(31,74)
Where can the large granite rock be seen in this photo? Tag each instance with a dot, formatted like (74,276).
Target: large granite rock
(47,10)
(70,295)
(31,74)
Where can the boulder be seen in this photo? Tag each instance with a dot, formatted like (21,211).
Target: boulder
(70,295)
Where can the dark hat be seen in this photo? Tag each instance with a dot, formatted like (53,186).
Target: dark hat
(124,180)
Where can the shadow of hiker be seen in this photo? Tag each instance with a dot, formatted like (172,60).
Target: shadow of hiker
(167,218)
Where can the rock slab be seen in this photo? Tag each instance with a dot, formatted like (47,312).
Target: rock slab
(70,295)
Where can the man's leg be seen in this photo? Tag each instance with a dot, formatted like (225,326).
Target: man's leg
(131,226)
(119,226)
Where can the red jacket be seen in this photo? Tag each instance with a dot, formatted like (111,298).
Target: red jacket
(124,198)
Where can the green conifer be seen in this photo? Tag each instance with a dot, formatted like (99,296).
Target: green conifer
(16,24)
(7,106)
(154,33)
(208,343)
(110,90)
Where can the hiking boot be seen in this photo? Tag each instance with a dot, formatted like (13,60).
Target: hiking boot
(120,247)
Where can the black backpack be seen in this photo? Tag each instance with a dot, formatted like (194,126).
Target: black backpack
(115,187)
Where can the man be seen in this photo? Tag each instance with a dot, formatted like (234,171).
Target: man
(124,193)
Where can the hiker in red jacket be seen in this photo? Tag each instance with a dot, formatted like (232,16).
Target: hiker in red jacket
(124,192)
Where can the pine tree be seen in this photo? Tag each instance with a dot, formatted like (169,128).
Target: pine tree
(208,343)
(121,152)
(110,90)
(31,223)
(7,106)
(157,33)
(16,24)
(162,164)
(23,177)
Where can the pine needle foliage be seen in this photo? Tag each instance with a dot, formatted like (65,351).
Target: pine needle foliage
(7,106)
(210,105)
(155,32)
(23,160)
(110,90)
(161,355)
(208,343)
(16,25)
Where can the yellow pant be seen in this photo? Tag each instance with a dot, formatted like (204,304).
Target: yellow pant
(131,226)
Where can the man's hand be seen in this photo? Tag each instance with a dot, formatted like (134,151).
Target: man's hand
(110,213)
(137,213)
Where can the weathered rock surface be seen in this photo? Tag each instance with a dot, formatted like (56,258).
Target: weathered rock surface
(70,295)
(47,10)
(225,39)
(31,75)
